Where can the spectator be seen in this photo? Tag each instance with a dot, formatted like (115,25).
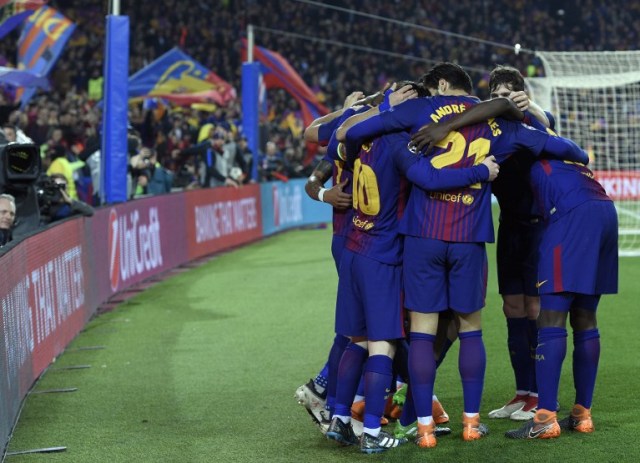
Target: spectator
(186,176)
(293,163)
(95,85)
(138,168)
(235,164)
(244,152)
(327,69)
(13,134)
(7,217)
(10,133)
(212,160)
(271,163)
(154,179)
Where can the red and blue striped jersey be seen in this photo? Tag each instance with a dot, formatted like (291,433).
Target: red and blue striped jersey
(462,214)
(381,188)
(559,186)
(341,217)
(512,188)
(380,192)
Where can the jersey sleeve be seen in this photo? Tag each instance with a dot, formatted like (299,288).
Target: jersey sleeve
(423,174)
(552,120)
(332,149)
(403,117)
(326,130)
(525,137)
(531,120)
(398,118)
(519,136)
(332,142)
(403,159)
(563,148)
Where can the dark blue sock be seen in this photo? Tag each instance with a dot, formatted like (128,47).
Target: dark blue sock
(533,344)
(550,353)
(519,353)
(349,373)
(586,354)
(422,371)
(401,361)
(408,415)
(378,375)
(443,353)
(472,363)
(360,389)
(335,354)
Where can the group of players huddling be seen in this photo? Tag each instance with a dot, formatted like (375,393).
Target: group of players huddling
(413,170)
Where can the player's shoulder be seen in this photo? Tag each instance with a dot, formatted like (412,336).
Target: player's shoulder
(348,113)
(552,120)
(515,125)
(532,121)
(440,100)
(414,104)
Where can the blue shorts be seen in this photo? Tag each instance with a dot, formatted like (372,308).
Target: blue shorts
(369,298)
(517,257)
(564,302)
(337,245)
(579,252)
(439,275)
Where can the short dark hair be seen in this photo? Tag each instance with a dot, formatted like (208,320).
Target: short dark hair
(508,76)
(417,86)
(57,151)
(452,73)
(429,80)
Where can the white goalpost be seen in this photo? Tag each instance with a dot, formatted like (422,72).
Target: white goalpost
(595,98)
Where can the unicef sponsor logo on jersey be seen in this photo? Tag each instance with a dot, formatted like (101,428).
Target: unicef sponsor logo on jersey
(465,199)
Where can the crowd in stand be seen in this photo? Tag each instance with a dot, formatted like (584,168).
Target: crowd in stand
(169,145)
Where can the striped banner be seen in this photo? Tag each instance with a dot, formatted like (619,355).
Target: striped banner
(41,43)
(14,12)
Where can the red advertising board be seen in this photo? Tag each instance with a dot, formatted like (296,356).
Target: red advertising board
(45,303)
(620,184)
(226,218)
(138,239)
(52,282)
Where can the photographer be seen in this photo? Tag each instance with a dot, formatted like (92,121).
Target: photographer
(7,217)
(60,165)
(55,202)
(150,177)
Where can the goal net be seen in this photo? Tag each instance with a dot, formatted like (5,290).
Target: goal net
(595,98)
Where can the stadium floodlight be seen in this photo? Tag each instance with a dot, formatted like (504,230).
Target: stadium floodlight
(595,97)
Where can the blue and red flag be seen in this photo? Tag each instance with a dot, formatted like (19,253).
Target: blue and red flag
(177,77)
(18,78)
(44,36)
(14,12)
(278,73)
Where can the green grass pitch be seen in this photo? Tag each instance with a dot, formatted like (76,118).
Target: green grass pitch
(203,366)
